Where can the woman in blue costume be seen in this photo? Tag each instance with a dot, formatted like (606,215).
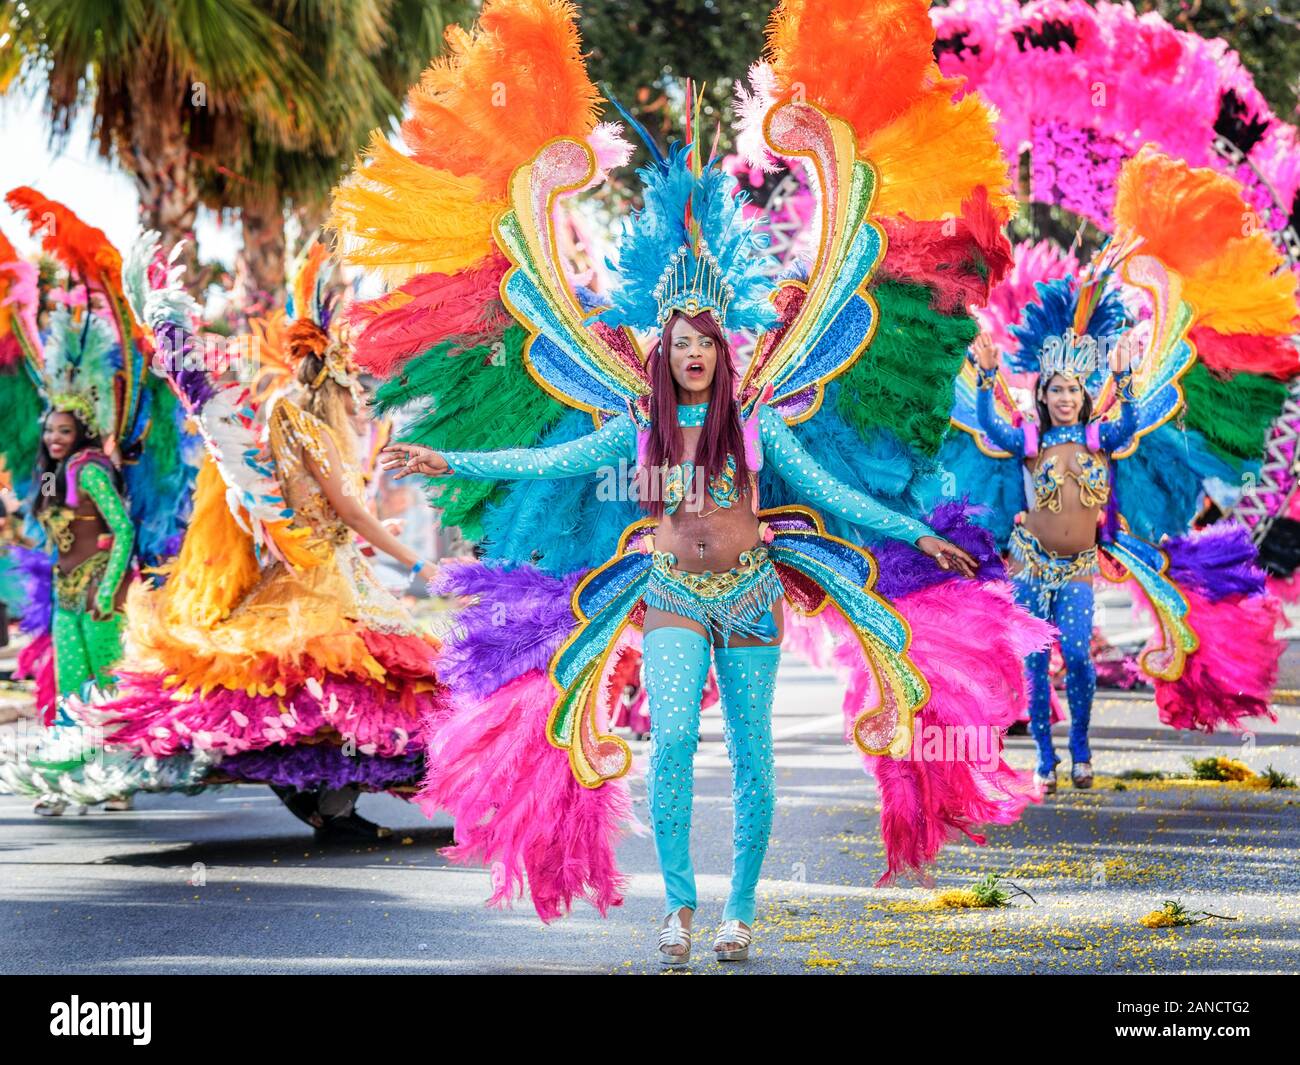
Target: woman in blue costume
(712,584)
(706,566)
(1053,545)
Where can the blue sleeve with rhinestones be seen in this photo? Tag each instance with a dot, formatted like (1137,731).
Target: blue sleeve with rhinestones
(614,440)
(1115,435)
(1006,436)
(783,452)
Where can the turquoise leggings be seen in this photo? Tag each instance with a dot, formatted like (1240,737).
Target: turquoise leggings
(676,667)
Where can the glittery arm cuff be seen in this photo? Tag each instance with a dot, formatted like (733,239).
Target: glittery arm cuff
(1116,434)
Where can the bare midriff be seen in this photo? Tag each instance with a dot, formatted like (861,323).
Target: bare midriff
(87,527)
(1074,527)
(706,538)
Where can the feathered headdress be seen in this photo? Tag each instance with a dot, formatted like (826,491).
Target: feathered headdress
(82,358)
(312,310)
(690,247)
(82,368)
(1071,326)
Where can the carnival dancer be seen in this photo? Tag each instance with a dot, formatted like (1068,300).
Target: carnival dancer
(1095,504)
(699,477)
(109,483)
(841,411)
(1054,545)
(304,673)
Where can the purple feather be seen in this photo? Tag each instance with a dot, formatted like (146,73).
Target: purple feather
(37,569)
(904,569)
(1217,562)
(194,383)
(522,617)
(312,765)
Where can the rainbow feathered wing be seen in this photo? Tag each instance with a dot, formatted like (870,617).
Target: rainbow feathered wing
(493,349)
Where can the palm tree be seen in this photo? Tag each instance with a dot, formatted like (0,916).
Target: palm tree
(247,104)
(365,53)
(173,87)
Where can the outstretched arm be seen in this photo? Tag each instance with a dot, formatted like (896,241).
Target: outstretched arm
(97,483)
(349,505)
(802,472)
(615,440)
(782,450)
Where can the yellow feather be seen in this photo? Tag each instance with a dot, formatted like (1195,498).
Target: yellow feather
(1243,291)
(934,155)
(401,218)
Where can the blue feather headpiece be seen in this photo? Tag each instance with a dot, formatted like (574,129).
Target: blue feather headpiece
(1060,332)
(690,248)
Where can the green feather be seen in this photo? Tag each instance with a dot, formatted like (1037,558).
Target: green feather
(1233,414)
(479,398)
(904,381)
(21,439)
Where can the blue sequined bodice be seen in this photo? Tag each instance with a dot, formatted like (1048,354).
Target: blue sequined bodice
(1093,476)
(722,488)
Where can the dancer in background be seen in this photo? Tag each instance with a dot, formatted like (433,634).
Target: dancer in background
(109,483)
(273,649)
(1054,545)
(1107,496)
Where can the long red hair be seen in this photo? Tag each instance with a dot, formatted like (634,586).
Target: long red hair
(721,435)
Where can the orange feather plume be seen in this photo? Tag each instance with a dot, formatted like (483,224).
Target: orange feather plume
(217,565)
(1196,222)
(82,248)
(503,90)
(865,62)
(922,172)
(514,82)
(1185,215)
(872,65)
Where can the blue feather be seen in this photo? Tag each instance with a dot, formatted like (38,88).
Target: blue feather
(658,232)
(640,130)
(1052,314)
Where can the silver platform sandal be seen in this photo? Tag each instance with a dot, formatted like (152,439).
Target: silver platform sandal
(732,932)
(674,934)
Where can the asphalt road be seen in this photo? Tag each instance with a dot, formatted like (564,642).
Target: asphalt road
(229,882)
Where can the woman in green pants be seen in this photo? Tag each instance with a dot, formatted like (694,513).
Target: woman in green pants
(79,504)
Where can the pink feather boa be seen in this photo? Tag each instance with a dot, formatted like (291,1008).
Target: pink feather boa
(970,642)
(1162,84)
(517,806)
(1231,675)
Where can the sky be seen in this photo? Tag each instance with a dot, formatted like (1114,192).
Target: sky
(99,192)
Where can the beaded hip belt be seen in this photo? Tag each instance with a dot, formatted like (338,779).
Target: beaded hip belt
(737,600)
(70,588)
(1046,569)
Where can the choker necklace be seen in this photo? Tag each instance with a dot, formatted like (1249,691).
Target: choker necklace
(692,415)
(1063,434)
